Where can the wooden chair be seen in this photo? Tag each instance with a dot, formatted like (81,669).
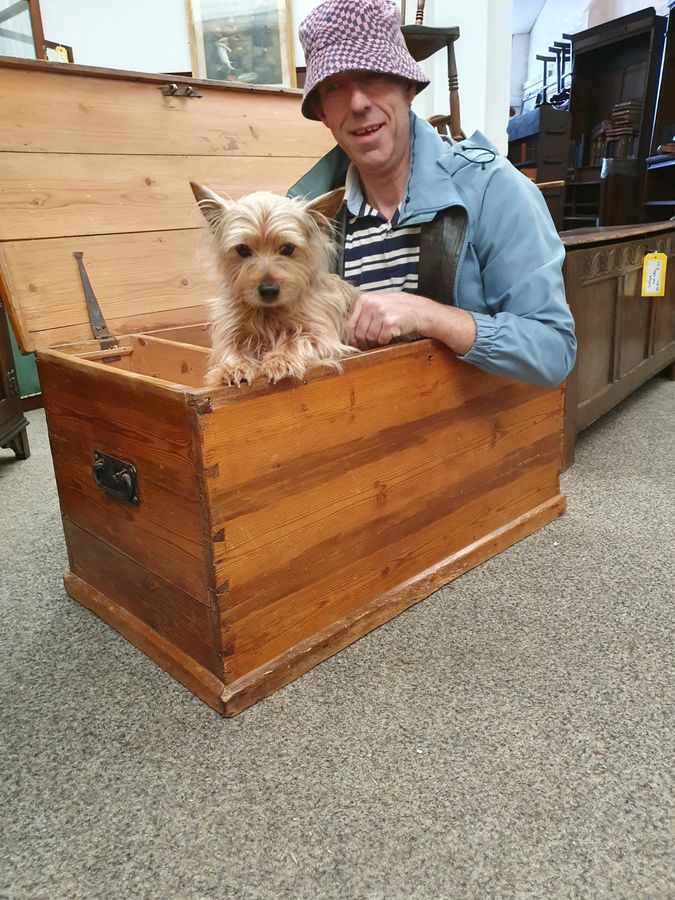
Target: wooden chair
(423,42)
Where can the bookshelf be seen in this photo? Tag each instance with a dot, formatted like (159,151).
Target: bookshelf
(538,146)
(659,193)
(615,76)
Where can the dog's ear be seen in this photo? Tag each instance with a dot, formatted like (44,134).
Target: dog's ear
(327,205)
(210,203)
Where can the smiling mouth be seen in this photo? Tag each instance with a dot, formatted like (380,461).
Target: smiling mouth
(370,129)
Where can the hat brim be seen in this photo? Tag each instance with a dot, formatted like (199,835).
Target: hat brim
(383,57)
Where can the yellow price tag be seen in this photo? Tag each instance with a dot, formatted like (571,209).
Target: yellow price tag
(654,275)
(60,54)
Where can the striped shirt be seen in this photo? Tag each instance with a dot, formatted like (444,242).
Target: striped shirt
(379,255)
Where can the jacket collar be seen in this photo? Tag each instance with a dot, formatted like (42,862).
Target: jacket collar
(423,196)
(430,188)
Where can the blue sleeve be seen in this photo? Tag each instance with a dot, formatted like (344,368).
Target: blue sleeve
(529,332)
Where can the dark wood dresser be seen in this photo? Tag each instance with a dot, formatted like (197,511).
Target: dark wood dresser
(623,338)
(12,422)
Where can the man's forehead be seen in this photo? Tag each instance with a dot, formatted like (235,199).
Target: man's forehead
(352,73)
(360,74)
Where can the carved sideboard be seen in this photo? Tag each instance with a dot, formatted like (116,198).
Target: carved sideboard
(624,338)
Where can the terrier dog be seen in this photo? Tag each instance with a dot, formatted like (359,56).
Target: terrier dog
(280,310)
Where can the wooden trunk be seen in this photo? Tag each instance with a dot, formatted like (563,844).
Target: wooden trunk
(254,531)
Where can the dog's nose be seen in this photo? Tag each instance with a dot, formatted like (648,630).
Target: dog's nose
(268,290)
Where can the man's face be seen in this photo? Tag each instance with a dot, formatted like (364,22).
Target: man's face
(368,115)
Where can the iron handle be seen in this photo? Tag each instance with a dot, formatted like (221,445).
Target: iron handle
(116,477)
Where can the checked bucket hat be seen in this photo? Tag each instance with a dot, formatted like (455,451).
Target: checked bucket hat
(354,35)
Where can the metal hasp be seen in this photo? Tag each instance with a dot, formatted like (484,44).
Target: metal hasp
(98,325)
(174,90)
(116,477)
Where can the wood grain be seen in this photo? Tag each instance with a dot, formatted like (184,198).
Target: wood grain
(198,335)
(353,571)
(284,531)
(183,364)
(593,408)
(664,315)
(389,388)
(63,112)
(8,293)
(91,407)
(48,195)
(635,311)
(595,335)
(260,682)
(589,237)
(330,492)
(142,282)
(623,338)
(179,664)
(171,613)
(101,163)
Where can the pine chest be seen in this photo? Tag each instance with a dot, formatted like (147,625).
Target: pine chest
(236,536)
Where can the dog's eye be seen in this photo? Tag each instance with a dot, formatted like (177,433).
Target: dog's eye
(287,249)
(243,250)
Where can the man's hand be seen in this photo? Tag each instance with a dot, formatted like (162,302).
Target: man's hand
(382,316)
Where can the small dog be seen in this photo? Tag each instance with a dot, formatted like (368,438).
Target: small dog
(280,310)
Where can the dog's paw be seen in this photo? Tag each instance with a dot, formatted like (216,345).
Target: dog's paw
(277,366)
(233,372)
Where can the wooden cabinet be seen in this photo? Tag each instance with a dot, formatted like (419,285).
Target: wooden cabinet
(623,338)
(538,146)
(616,69)
(12,422)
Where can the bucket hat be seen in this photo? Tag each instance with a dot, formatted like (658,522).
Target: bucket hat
(354,35)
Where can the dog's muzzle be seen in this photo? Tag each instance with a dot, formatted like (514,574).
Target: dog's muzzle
(268,290)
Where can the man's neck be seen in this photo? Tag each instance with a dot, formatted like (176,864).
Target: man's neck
(385,192)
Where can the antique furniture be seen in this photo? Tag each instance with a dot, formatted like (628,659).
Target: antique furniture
(237,536)
(616,69)
(623,338)
(422,42)
(539,147)
(12,422)
(659,195)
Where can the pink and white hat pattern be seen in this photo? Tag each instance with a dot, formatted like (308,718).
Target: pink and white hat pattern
(348,35)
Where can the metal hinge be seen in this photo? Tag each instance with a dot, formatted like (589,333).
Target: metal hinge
(98,325)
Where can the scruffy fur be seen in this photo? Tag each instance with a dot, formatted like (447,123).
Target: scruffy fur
(279,310)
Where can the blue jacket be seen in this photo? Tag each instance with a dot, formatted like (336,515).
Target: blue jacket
(509,273)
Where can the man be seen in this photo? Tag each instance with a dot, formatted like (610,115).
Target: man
(447,241)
